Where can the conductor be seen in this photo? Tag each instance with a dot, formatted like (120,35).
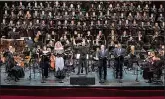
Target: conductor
(119,54)
(83,59)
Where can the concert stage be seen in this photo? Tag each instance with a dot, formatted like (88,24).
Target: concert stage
(36,80)
(52,88)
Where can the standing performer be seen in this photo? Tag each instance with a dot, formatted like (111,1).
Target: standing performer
(103,54)
(83,59)
(119,54)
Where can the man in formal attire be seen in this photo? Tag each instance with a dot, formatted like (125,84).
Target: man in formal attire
(83,59)
(103,54)
(119,54)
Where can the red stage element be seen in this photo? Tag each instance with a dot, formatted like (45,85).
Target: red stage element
(34,97)
(81,92)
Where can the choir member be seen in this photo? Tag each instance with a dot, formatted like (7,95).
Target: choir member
(160,19)
(11,25)
(131,7)
(6,7)
(42,15)
(13,8)
(64,7)
(5,15)
(28,15)
(124,8)
(30,30)
(36,15)
(71,8)
(161,9)
(35,7)
(154,9)
(79,27)
(29,7)
(21,6)
(156,27)
(20,15)
(146,8)
(92,8)
(139,9)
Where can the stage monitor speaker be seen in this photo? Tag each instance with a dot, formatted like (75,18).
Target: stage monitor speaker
(82,80)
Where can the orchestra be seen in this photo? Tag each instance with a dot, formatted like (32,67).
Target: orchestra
(63,32)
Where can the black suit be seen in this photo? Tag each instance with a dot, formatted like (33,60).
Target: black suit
(103,63)
(119,60)
(83,59)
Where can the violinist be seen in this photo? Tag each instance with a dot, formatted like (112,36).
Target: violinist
(152,63)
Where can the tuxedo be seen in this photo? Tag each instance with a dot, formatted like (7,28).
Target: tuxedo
(103,55)
(119,54)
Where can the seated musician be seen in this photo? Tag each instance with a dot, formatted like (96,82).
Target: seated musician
(96,58)
(154,66)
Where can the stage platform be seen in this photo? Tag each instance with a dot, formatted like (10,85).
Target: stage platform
(36,80)
(34,86)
